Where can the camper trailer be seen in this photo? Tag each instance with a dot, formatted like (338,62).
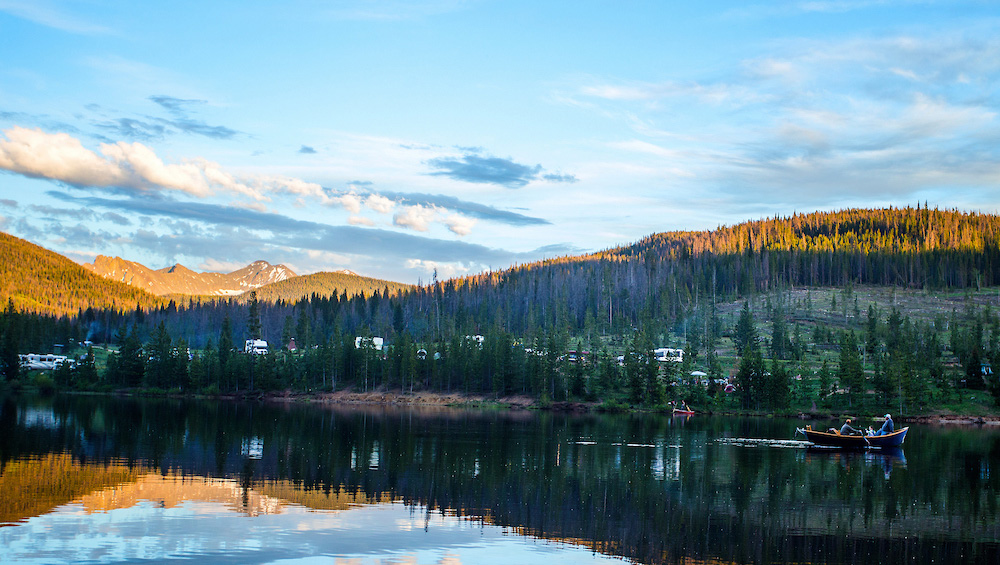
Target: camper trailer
(664,354)
(375,343)
(256,347)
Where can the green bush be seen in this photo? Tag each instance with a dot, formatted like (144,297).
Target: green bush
(613,406)
(44,383)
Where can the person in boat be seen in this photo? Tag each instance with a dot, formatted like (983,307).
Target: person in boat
(847,430)
(684,406)
(887,427)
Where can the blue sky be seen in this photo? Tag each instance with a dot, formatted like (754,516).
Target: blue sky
(392,138)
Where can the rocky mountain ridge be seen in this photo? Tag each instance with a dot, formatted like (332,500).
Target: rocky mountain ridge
(179,279)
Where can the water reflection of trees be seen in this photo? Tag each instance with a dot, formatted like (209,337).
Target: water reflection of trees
(653,489)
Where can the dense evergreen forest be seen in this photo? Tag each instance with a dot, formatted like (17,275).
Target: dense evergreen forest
(732,297)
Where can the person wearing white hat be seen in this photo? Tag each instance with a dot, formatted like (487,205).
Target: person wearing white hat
(887,427)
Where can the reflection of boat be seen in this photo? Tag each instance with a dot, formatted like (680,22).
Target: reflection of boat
(887,456)
(833,439)
(885,459)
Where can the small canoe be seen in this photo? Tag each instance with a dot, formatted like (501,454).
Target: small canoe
(683,412)
(831,439)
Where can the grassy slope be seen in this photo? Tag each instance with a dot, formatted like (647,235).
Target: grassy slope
(810,307)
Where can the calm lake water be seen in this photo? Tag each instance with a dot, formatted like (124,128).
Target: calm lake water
(101,480)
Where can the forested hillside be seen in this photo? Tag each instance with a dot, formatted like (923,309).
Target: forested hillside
(36,280)
(907,247)
(657,279)
(327,284)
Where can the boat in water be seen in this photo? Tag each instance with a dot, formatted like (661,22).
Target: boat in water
(834,439)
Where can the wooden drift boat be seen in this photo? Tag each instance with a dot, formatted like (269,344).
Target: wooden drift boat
(832,439)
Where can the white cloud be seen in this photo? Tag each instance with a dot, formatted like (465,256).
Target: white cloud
(34,153)
(360,221)
(292,185)
(905,73)
(141,168)
(380,203)
(459,224)
(216,266)
(351,202)
(445,270)
(255,206)
(416,218)
(61,157)
(327,260)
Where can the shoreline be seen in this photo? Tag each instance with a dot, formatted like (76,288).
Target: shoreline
(514,403)
(521,402)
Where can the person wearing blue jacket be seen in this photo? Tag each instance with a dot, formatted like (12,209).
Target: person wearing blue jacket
(887,427)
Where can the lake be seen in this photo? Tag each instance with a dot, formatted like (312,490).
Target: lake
(104,480)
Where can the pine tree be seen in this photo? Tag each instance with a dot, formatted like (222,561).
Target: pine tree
(746,332)
(253,316)
(160,366)
(850,371)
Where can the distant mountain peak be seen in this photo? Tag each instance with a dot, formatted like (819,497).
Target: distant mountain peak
(179,279)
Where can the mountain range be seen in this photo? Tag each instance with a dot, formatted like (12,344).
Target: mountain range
(179,279)
(35,279)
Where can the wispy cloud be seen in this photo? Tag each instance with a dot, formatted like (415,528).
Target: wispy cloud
(558,177)
(473,168)
(833,123)
(43,13)
(487,170)
(464,207)
(130,128)
(182,120)
(720,93)
(306,150)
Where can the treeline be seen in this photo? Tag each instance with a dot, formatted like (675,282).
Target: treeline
(882,360)
(620,302)
(908,247)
